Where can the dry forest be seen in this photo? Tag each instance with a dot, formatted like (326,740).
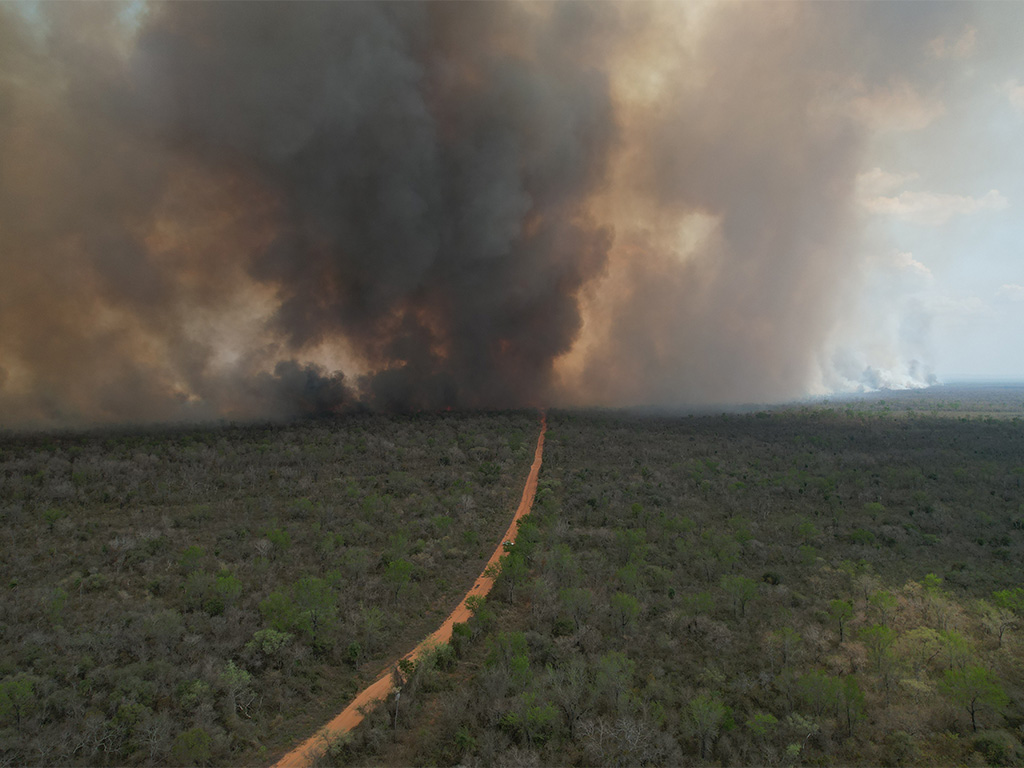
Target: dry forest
(834,583)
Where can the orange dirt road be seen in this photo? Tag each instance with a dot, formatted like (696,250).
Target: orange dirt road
(304,754)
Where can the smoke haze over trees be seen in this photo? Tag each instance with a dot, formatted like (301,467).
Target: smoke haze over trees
(271,209)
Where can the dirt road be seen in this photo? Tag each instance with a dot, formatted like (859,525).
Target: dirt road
(350,717)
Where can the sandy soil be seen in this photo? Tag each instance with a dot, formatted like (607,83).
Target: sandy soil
(304,754)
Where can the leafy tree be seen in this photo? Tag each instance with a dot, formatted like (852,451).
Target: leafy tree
(819,691)
(354,653)
(279,611)
(235,683)
(579,602)
(884,603)
(308,607)
(701,602)
(483,615)
(269,642)
(398,545)
(191,558)
(371,622)
(625,608)
(462,634)
(842,612)
(805,728)
(975,689)
(997,619)
(192,747)
(614,676)
(279,538)
(932,583)
(1010,600)
(508,651)
(631,544)
(489,472)
(762,724)
(531,722)
(785,642)
(706,712)
(808,554)
(875,509)
(742,590)
(317,609)
(398,574)
(853,702)
(514,571)
(629,576)
(191,693)
(918,647)
(879,639)
(957,648)
(55,608)
(572,691)
(227,588)
(17,699)
(52,515)
(198,587)
(807,531)
(212,593)
(861,536)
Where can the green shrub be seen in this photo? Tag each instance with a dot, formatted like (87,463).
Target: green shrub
(269,642)
(192,747)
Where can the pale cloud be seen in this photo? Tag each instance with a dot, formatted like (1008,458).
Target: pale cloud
(954,48)
(1011,292)
(877,182)
(934,208)
(895,107)
(1015,92)
(955,307)
(906,263)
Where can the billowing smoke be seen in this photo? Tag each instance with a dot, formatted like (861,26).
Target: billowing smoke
(408,181)
(740,249)
(263,209)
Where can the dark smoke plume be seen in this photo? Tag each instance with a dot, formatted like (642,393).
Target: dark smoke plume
(409,179)
(211,209)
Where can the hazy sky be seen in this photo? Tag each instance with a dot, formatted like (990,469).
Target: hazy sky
(944,192)
(252,209)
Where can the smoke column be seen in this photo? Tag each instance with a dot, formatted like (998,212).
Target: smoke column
(267,209)
(733,197)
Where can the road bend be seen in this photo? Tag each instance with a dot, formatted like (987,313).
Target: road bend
(304,754)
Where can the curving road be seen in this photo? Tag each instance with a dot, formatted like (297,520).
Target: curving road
(304,754)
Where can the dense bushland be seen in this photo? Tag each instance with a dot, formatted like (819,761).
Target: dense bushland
(211,595)
(828,585)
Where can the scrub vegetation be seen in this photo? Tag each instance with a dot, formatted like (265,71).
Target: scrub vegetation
(832,584)
(212,595)
(829,585)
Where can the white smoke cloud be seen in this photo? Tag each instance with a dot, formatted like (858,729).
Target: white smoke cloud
(877,182)
(896,106)
(1011,292)
(960,47)
(934,208)
(911,266)
(1015,93)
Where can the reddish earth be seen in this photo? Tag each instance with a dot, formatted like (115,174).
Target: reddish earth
(304,754)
